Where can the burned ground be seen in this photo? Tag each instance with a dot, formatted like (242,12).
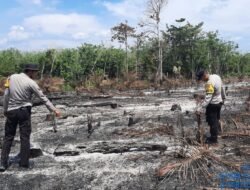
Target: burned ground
(130,140)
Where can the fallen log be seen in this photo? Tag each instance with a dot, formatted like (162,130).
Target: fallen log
(102,104)
(100,97)
(109,147)
(63,150)
(236,134)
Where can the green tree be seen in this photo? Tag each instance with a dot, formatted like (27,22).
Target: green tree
(68,65)
(121,33)
(182,42)
(9,61)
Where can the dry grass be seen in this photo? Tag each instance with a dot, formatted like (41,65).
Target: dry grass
(172,83)
(189,166)
(139,85)
(129,77)
(95,79)
(51,84)
(107,84)
(196,166)
(130,81)
(99,84)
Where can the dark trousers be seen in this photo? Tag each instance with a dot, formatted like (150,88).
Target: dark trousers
(212,118)
(21,117)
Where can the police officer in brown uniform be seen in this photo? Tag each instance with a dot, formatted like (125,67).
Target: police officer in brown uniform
(214,99)
(17,109)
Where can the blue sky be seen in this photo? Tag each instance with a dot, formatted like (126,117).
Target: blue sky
(40,24)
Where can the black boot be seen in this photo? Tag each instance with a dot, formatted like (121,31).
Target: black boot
(211,140)
(28,166)
(219,129)
(3,167)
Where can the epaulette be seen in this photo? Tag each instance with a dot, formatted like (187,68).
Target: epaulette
(7,83)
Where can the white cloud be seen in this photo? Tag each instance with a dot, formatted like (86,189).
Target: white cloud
(27,2)
(235,38)
(79,35)
(17,33)
(191,10)
(222,15)
(74,25)
(131,9)
(232,17)
(47,43)
(3,41)
(37,2)
(229,17)
(43,44)
(56,31)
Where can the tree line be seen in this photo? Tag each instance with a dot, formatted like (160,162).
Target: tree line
(182,45)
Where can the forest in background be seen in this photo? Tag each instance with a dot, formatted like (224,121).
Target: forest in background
(182,45)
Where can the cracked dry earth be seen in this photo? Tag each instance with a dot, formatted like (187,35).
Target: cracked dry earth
(122,140)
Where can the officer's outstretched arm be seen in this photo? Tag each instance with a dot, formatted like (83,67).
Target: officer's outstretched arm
(6,100)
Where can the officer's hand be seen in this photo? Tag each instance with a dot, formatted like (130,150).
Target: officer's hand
(57,113)
(198,112)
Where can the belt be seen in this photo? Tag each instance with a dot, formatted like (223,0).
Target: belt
(25,108)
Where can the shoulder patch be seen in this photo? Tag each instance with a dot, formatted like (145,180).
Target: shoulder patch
(7,83)
(209,88)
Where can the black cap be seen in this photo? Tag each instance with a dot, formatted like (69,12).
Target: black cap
(199,74)
(31,67)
